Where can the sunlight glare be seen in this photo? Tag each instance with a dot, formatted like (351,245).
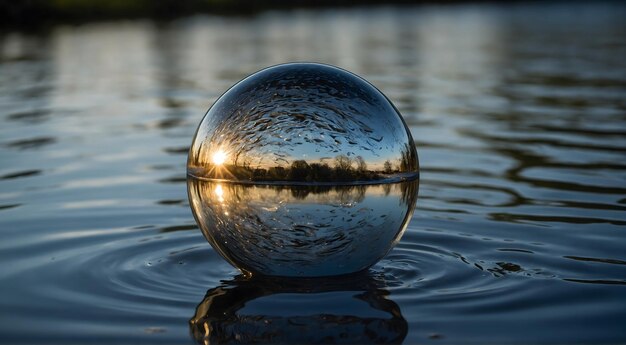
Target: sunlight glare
(219,157)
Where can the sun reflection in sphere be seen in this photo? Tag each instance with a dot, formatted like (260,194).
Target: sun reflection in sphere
(219,157)
(219,192)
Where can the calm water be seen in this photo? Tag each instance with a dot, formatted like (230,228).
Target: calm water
(519,115)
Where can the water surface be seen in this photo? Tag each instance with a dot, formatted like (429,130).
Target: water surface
(519,115)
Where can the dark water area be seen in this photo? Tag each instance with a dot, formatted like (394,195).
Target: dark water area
(518,113)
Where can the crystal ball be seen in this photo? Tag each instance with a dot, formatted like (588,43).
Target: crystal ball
(302,169)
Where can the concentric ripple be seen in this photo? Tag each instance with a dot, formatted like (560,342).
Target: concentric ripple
(518,235)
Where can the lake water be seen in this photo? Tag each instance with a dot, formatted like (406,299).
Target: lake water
(519,116)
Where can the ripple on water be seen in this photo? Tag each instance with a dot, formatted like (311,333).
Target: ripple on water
(136,281)
(518,232)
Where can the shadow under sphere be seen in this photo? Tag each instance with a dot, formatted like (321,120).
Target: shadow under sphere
(349,310)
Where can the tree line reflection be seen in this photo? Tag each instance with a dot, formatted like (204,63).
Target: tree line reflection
(234,193)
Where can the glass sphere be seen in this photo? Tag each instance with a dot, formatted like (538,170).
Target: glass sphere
(302,169)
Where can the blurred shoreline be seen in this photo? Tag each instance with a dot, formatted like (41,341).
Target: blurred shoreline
(38,14)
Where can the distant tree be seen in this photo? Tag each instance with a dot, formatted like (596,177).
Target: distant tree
(361,166)
(277,173)
(321,172)
(387,168)
(343,162)
(300,170)
(259,174)
(343,167)
(408,161)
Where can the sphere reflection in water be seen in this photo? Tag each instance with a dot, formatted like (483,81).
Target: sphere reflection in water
(302,230)
(308,311)
(302,169)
